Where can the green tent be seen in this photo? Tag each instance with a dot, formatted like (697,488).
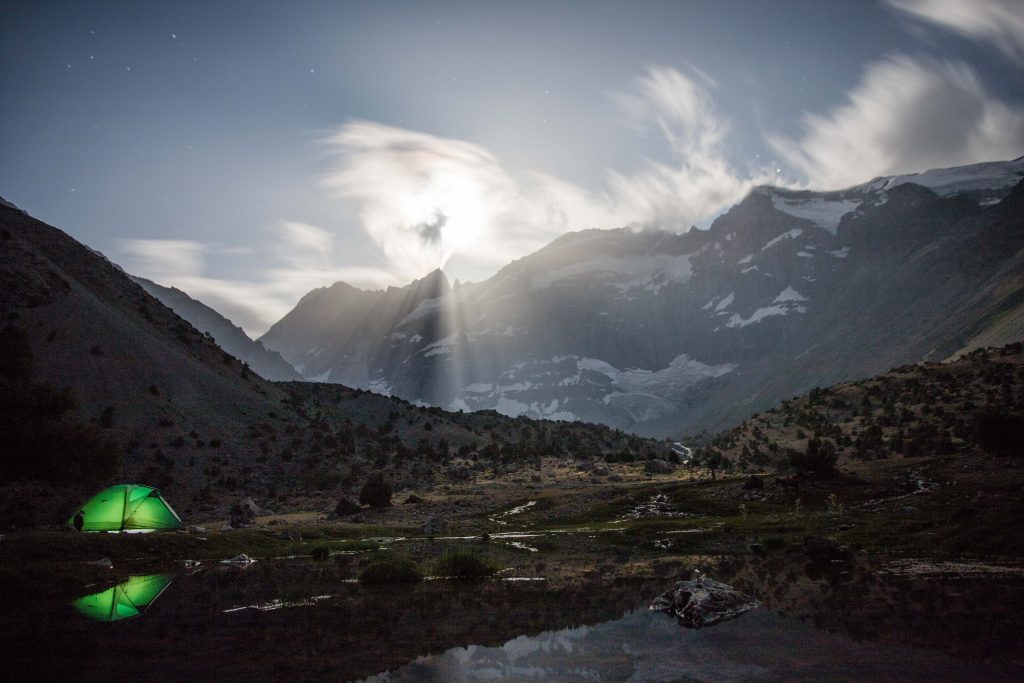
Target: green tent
(126,507)
(125,600)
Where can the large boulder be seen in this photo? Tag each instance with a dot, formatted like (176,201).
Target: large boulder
(345,507)
(244,513)
(703,602)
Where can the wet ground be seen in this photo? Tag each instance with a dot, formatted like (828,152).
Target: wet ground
(307,620)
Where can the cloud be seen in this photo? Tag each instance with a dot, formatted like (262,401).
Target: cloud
(906,115)
(699,181)
(424,199)
(999,22)
(300,257)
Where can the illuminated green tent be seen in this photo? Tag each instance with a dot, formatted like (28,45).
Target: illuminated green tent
(125,600)
(126,507)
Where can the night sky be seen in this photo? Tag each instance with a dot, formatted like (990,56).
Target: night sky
(249,152)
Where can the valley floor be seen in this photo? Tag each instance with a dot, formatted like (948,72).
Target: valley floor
(892,543)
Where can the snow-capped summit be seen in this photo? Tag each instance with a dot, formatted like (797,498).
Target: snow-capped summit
(985,183)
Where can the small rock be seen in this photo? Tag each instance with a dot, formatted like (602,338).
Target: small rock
(600,471)
(242,560)
(190,564)
(413,499)
(293,536)
(102,562)
(356,519)
(195,529)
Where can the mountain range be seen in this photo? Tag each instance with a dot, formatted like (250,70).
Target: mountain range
(663,334)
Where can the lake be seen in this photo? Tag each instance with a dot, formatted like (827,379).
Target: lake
(302,620)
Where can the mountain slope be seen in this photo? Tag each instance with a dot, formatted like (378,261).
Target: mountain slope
(972,407)
(267,364)
(663,334)
(100,382)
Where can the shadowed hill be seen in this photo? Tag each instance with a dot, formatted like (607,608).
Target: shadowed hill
(110,384)
(972,407)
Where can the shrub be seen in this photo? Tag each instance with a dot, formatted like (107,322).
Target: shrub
(464,564)
(819,458)
(391,570)
(376,492)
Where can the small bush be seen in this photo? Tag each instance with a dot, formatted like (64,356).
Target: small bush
(464,564)
(376,492)
(391,570)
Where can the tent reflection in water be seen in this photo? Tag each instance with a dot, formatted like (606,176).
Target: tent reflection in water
(128,508)
(125,600)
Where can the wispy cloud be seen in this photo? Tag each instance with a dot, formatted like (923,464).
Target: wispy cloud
(999,22)
(905,115)
(301,259)
(699,181)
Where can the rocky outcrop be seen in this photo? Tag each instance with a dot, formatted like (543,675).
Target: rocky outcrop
(703,602)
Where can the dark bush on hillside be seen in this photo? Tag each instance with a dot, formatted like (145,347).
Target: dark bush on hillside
(37,440)
(819,458)
(999,433)
(376,492)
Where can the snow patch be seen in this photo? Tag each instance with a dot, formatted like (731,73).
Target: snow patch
(791,235)
(724,303)
(789,294)
(840,253)
(821,211)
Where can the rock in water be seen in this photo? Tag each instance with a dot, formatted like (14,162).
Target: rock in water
(703,602)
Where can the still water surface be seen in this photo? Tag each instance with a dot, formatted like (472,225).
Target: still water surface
(303,620)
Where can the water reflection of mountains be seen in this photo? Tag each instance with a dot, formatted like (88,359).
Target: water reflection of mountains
(196,630)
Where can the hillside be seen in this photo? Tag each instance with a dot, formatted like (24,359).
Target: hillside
(970,408)
(100,382)
(230,337)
